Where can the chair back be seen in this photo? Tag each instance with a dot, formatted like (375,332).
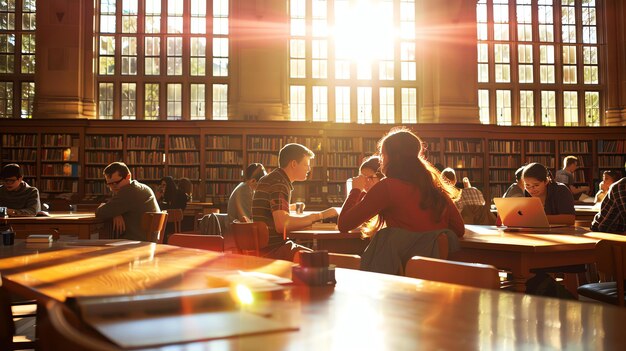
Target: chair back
(470,274)
(65,331)
(7,325)
(153,225)
(251,237)
(344,260)
(175,216)
(196,241)
(611,264)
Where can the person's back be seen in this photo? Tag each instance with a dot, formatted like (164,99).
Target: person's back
(612,215)
(240,201)
(399,204)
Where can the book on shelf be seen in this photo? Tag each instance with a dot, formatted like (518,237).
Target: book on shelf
(39,238)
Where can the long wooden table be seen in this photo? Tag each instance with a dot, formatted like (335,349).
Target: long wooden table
(363,311)
(81,224)
(521,252)
(331,240)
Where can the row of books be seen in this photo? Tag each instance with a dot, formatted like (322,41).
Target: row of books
(19,140)
(504,146)
(60,169)
(453,145)
(103,142)
(103,157)
(344,144)
(144,142)
(146,157)
(224,173)
(611,161)
(223,142)
(183,143)
(618,146)
(504,161)
(463,161)
(264,143)
(344,160)
(224,157)
(570,146)
(58,185)
(189,157)
(66,140)
(67,154)
(184,172)
(20,155)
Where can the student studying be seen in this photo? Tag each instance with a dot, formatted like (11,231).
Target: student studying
(412,204)
(556,198)
(16,195)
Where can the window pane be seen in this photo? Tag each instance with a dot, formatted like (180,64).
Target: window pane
(592,108)
(297,102)
(320,103)
(174,102)
(503,107)
(129,101)
(6,99)
(387,105)
(364,105)
(105,100)
(28,96)
(197,110)
(570,108)
(220,101)
(342,104)
(483,105)
(409,105)
(548,108)
(527,109)
(151,101)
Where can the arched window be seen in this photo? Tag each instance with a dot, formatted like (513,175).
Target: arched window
(539,62)
(162,59)
(17,58)
(353,61)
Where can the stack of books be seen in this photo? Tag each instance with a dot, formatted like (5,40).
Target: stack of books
(39,238)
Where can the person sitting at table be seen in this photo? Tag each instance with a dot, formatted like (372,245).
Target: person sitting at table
(270,203)
(608,177)
(470,196)
(412,202)
(169,196)
(130,200)
(516,189)
(185,185)
(370,169)
(558,201)
(240,201)
(566,176)
(612,215)
(20,199)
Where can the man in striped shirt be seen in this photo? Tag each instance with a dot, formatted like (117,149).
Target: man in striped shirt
(272,198)
(612,215)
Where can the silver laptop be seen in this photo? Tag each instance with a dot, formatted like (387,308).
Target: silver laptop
(523,213)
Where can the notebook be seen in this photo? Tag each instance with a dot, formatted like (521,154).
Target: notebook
(523,213)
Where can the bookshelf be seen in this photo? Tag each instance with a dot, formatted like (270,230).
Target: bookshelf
(541,151)
(145,156)
(466,156)
(183,159)
(100,150)
(223,166)
(611,156)
(343,163)
(214,153)
(60,167)
(504,160)
(22,149)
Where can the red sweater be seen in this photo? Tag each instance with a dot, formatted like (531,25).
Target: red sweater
(399,203)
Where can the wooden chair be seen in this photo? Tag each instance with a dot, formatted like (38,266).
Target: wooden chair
(344,260)
(611,265)
(195,241)
(8,330)
(175,216)
(251,237)
(63,330)
(470,274)
(153,225)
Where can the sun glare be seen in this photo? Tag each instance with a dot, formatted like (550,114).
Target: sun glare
(364,31)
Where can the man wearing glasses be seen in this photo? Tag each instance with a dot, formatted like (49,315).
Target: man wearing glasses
(130,200)
(20,199)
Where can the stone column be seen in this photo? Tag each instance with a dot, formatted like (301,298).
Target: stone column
(64,69)
(260,72)
(447,41)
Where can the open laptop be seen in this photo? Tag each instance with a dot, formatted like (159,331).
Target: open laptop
(523,214)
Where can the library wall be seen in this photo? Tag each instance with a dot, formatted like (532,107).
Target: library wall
(66,157)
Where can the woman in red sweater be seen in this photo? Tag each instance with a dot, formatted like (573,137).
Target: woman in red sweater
(411,196)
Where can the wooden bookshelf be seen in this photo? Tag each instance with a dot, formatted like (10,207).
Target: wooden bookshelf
(22,149)
(100,150)
(504,159)
(223,166)
(466,156)
(213,154)
(145,156)
(611,155)
(59,164)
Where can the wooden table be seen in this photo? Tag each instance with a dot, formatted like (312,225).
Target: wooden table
(81,224)
(365,311)
(521,252)
(332,240)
